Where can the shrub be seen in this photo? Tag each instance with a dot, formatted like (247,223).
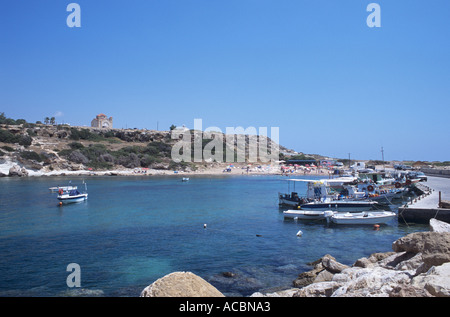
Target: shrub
(78,157)
(109,134)
(8,148)
(108,158)
(148,160)
(31,155)
(25,140)
(31,132)
(158,148)
(76,145)
(65,153)
(84,134)
(8,137)
(129,161)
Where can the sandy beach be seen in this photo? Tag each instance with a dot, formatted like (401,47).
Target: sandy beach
(211,169)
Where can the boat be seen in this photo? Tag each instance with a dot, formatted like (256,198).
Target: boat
(361,218)
(338,194)
(344,205)
(304,214)
(185,179)
(382,187)
(291,200)
(317,189)
(63,188)
(73,196)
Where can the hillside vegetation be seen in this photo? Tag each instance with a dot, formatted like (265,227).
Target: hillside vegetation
(61,147)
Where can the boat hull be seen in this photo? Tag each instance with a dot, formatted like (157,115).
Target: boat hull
(340,206)
(66,199)
(304,214)
(365,218)
(288,202)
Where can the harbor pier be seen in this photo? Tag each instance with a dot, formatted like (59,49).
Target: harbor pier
(425,207)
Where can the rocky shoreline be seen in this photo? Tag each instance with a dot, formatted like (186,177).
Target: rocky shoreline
(418,266)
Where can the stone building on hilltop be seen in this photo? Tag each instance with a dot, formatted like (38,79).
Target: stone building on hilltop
(102,121)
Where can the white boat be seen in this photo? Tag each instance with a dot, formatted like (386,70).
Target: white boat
(317,189)
(304,214)
(185,179)
(63,188)
(361,218)
(73,196)
(340,205)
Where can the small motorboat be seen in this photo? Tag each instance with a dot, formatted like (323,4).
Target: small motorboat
(359,218)
(340,205)
(304,214)
(185,179)
(63,188)
(73,196)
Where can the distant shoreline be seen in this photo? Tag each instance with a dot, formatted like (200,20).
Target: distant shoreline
(209,171)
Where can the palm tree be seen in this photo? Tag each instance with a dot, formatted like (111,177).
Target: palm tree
(52,120)
(46,120)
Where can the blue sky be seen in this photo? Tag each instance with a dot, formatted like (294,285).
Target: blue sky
(314,69)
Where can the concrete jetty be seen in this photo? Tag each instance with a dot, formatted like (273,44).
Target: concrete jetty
(424,207)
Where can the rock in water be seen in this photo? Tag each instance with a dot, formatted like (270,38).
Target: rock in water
(17,171)
(181,284)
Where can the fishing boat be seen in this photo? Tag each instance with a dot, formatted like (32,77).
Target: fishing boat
(73,196)
(344,205)
(304,214)
(317,189)
(63,188)
(361,218)
(290,200)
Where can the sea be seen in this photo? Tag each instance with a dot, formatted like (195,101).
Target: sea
(131,231)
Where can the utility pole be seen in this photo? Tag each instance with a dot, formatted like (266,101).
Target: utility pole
(382,157)
(349,162)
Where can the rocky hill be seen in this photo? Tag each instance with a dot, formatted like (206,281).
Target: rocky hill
(47,148)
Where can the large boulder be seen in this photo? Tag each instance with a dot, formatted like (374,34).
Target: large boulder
(434,246)
(323,271)
(436,281)
(15,170)
(181,284)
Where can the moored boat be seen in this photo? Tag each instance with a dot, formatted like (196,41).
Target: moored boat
(361,218)
(304,214)
(63,188)
(73,196)
(340,205)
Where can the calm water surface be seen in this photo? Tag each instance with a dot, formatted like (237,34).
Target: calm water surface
(134,230)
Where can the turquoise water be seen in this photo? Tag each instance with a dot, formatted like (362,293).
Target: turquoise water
(134,230)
